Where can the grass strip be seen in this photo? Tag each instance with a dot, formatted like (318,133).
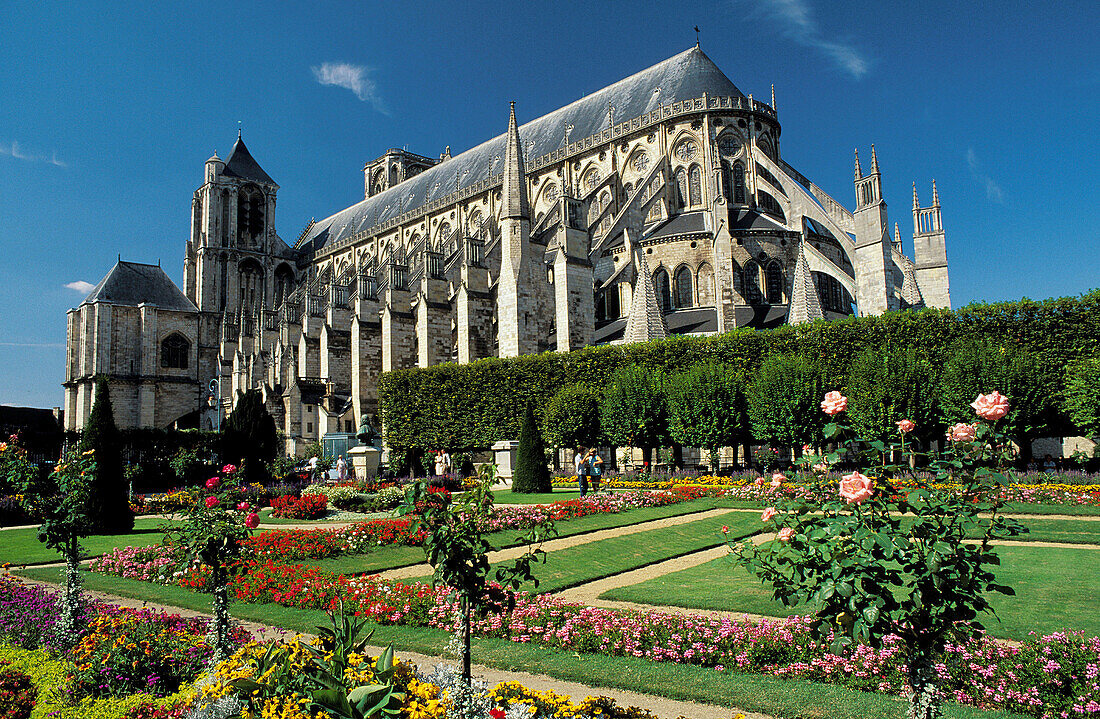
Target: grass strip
(788,698)
(1067,509)
(1055,589)
(21,546)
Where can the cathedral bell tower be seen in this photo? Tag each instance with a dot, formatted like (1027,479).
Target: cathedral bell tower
(930,251)
(873,247)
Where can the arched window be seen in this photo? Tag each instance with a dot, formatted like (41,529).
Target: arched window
(174,351)
(250,280)
(284,283)
(655,208)
(751,282)
(738,183)
(727,181)
(591,179)
(738,281)
(705,285)
(613,305)
(695,186)
(681,188)
(664,294)
(774,283)
(729,144)
(684,296)
(250,215)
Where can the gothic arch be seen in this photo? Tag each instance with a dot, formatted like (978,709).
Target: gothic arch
(695,186)
(685,295)
(774,283)
(549,194)
(251,206)
(250,281)
(739,183)
(678,147)
(175,351)
(639,161)
(681,188)
(284,283)
(591,177)
(664,291)
(750,282)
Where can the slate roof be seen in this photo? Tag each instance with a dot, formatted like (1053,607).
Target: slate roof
(646,321)
(686,75)
(805,306)
(134,283)
(242,165)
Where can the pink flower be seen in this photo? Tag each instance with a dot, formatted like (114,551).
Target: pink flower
(856,487)
(212,502)
(252,520)
(820,468)
(212,482)
(785,534)
(242,507)
(962,432)
(777,479)
(991,406)
(229,469)
(905,426)
(768,514)
(834,403)
(759,481)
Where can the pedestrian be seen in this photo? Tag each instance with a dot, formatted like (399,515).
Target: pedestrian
(595,464)
(341,469)
(445,459)
(580,465)
(313,462)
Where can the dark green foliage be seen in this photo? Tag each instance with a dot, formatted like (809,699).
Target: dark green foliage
(1082,397)
(109,499)
(891,384)
(979,366)
(532,476)
(707,408)
(634,409)
(471,406)
(572,418)
(784,401)
(249,439)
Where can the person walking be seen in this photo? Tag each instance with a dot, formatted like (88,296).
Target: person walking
(580,465)
(341,469)
(595,463)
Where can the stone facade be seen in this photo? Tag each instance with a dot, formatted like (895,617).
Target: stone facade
(532,241)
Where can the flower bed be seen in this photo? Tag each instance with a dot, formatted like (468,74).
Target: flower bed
(308,506)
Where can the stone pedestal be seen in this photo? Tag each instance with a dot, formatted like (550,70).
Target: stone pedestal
(364,460)
(504,454)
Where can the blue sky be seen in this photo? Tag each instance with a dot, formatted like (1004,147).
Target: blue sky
(108,111)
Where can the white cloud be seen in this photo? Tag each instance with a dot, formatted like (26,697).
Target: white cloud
(992,190)
(350,77)
(80,286)
(12,149)
(798,23)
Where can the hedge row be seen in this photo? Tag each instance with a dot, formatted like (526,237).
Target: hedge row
(472,406)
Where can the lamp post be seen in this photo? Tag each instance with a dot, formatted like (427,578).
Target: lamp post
(215,401)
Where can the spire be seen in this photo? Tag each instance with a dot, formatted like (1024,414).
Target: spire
(859,170)
(646,320)
(910,290)
(805,304)
(874,160)
(514,193)
(897,236)
(935,195)
(916,202)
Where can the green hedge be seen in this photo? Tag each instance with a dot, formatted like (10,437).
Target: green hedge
(472,406)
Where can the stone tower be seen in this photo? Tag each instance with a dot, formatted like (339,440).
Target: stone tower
(516,299)
(873,248)
(930,251)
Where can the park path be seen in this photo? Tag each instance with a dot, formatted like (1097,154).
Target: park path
(660,706)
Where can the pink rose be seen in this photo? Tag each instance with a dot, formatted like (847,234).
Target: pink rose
(768,514)
(785,534)
(759,481)
(962,432)
(834,403)
(777,478)
(856,487)
(242,507)
(252,521)
(229,469)
(820,468)
(212,502)
(905,426)
(991,406)
(212,482)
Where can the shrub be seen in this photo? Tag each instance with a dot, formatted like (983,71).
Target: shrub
(633,410)
(109,504)
(308,506)
(249,437)
(891,383)
(1082,401)
(17,694)
(531,474)
(572,417)
(782,401)
(706,406)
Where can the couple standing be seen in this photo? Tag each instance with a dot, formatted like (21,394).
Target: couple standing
(588,465)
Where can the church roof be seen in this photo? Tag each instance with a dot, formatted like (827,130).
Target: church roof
(646,321)
(135,283)
(686,75)
(242,165)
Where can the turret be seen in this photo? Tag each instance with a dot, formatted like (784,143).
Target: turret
(516,295)
(930,251)
(873,247)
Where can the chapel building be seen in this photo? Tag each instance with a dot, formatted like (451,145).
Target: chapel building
(658,205)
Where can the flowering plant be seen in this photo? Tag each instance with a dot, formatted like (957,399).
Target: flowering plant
(844,551)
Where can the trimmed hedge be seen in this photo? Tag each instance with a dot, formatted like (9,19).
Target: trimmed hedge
(471,406)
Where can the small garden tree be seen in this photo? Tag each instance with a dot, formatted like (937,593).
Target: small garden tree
(109,498)
(572,417)
(249,439)
(706,408)
(846,553)
(782,401)
(457,547)
(1082,395)
(888,383)
(531,474)
(634,409)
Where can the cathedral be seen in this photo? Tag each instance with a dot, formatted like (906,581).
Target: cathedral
(661,204)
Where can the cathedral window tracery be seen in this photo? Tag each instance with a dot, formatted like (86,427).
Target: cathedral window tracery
(664,292)
(738,183)
(774,283)
(729,144)
(683,288)
(751,282)
(681,188)
(687,150)
(591,179)
(174,351)
(695,186)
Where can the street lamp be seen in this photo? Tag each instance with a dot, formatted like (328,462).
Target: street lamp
(215,401)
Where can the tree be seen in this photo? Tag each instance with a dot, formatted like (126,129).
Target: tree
(109,499)
(1082,395)
(531,475)
(867,574)
(975,366)
(706,408)
(572,417)
(889,384)
(249,438)
(782,401)
(634,409)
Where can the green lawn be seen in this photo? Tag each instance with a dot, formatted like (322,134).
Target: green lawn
(1055,589)
(331,516)
(560,494)
(1020,508)
(1074,531)
(789,698)
(21,546)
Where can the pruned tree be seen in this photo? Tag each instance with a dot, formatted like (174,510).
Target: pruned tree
(249,439)
(783,401)
(1082,395)
(572,417)
(109,499)
(531,474)
(707,408)
(892,383)
(634,409)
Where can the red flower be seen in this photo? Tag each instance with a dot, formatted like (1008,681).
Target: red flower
(496,713)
